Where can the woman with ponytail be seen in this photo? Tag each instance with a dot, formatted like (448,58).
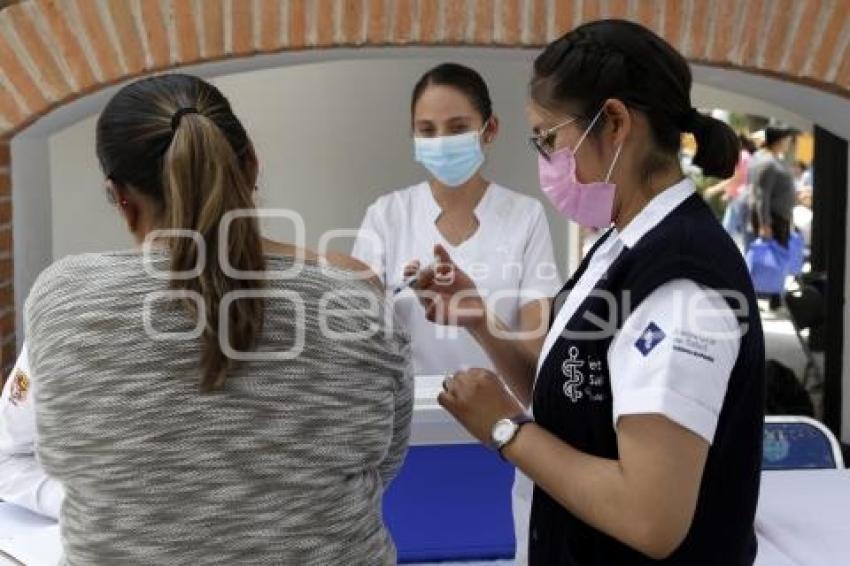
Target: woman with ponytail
(645,440)
(213,397)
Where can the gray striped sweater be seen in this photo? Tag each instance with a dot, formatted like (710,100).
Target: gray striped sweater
(286,465)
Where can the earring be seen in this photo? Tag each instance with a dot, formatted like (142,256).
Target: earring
(124,202)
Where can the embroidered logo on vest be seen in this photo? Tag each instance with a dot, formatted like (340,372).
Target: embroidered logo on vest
(575,378)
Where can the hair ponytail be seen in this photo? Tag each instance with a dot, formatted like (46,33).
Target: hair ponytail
(174,138)
(202,181)
(718,146)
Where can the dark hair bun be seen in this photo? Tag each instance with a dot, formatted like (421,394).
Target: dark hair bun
(718,147)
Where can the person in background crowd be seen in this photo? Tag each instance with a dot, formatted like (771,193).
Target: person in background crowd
(214,397)
(734,192)
(773,190)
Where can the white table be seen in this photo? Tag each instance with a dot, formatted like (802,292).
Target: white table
(803,518)
(431,423)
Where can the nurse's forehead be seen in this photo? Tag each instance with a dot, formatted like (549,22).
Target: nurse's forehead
(440,102)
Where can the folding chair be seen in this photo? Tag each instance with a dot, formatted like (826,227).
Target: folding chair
(798,443)
(807,310)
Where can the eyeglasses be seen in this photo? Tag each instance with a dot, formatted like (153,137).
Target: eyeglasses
(544,142)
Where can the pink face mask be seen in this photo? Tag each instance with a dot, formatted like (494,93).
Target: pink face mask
(588,204)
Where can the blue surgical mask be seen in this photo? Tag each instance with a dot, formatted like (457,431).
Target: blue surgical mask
(452,160)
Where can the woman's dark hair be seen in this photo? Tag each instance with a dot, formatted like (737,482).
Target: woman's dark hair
(623,60)
(464,79)
(175,139)
(746,143)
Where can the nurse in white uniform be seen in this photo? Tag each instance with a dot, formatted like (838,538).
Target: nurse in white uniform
(500,237)
(22,479)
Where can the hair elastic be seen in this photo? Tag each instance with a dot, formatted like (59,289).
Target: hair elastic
(690,121)
(175,118)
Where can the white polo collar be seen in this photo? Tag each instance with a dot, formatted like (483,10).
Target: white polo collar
(655,211)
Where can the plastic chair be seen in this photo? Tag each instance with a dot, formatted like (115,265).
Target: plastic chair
(799,443)
(807,310)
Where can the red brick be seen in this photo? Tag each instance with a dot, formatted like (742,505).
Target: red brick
(63,36)
(455,16)
(754,23)
(843,77)
(484,22)
(402,23)
(104,51)
(7,321)
(511,22)
(564,17)
(130,41)
(325,22)
(270,25)
(619,9)
(242,31)
(775,40)
(33,42)
(591,11)
(5,210)
(428,16)
(185,31)
(537,24)
(724,23)
(698,25)
(5,185)
(825,53)
(6,243)
(647,13)
(7,359)
(6,269)
(352,22)
(803,36)
(21,78)
(10,110)
(156,34)
(297,23)
(7,292)
(5,153)
(673,23)
(212,18)
(376,27)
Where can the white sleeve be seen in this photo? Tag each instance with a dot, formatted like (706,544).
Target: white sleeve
(674,356)
(370,244)
(22,479)
(540,275)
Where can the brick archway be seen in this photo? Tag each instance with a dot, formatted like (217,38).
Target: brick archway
(54,51)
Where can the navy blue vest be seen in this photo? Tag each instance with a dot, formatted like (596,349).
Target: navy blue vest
(572,399)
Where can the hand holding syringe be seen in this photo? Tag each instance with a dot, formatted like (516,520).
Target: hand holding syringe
(448,295)
(413,275)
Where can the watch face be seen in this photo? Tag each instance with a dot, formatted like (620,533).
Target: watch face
(503,431)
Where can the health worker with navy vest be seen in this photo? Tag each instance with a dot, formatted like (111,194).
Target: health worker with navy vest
(645,443)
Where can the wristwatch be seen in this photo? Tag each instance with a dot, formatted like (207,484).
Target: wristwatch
(505,430)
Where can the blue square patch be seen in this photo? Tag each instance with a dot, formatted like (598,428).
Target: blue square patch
(649,339)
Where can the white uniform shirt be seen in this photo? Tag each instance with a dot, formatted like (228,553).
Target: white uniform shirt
(22,479)
(686,377)
(509,257)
